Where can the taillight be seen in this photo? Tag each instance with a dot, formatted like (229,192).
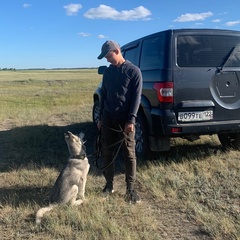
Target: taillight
(164,91)
(176,130)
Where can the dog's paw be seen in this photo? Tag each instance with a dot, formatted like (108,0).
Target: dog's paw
(78,202)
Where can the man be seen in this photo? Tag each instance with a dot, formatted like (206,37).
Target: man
(121,93)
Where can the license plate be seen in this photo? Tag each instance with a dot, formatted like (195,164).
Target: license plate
(195,116)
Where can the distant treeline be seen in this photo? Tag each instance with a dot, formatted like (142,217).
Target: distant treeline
(8,69)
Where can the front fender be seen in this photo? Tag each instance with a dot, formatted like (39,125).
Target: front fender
(97,95)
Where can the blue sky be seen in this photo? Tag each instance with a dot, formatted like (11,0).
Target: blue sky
(69,34)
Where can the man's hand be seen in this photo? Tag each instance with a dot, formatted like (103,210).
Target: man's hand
(129,127)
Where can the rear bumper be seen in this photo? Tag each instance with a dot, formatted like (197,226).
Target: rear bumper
(163,123)
(204,128)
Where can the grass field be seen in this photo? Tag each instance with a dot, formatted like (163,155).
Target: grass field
(190,192)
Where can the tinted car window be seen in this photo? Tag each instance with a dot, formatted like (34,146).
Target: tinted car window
(131,55)
(153,54)
(208,51)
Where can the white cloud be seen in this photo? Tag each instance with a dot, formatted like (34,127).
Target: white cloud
(102,36)
(106,12)
(26,5)
(84,34)
(232,23)
(216,20)
(72,9)
(191,17)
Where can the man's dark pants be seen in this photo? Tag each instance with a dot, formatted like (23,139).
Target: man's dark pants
(112,133)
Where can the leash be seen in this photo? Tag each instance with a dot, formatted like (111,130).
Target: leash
(99,148)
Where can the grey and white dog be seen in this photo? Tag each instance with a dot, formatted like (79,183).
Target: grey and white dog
(71,182)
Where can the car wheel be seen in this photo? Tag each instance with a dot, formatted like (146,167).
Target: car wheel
(230,140)
(95,112)
(142,145)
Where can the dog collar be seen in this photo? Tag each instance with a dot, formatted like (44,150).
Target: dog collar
(81,156)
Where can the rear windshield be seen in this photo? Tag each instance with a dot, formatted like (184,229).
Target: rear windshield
(208,51)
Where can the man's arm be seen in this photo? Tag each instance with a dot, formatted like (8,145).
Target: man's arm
(136,95)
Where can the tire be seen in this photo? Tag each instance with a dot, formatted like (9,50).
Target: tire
(230,140)
(141,137)
(95,112)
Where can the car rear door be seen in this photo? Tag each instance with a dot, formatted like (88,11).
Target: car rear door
(206,76)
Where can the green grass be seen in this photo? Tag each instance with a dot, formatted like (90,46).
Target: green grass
(27,94)
(190,192)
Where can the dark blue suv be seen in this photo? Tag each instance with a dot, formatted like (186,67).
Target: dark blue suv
(191,87)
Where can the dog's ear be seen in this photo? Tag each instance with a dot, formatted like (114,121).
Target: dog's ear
(81,135)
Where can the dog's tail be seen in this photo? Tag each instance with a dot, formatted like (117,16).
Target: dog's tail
(42,211)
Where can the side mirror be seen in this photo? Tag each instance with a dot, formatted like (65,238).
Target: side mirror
(101,69)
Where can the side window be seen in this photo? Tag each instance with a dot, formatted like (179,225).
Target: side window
(153,54)
(131,55)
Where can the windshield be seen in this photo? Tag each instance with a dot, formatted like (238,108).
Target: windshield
(208,51)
